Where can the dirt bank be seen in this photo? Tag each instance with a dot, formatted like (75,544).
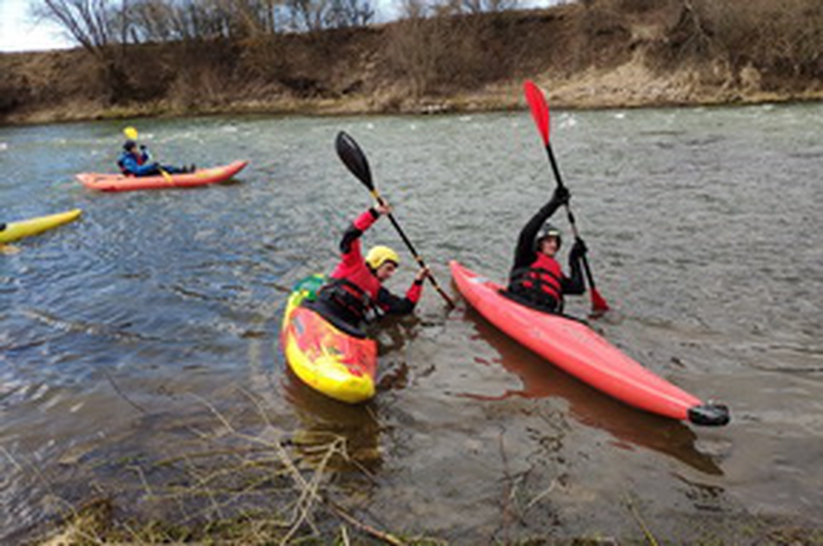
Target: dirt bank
(601,53)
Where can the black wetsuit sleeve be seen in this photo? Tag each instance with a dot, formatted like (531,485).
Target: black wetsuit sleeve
(393,305)
(352,234)
(524,254)
(573,284)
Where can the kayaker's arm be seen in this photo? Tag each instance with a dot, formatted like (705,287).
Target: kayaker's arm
(350,243)
(130,165)
(524,254)
(574,284)
(145,154)
(394,305)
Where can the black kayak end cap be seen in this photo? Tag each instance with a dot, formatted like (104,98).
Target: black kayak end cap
(713,415)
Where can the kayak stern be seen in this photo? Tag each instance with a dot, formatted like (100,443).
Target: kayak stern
(711,415)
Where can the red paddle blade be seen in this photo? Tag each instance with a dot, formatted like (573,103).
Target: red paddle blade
(539,107)
(599,305)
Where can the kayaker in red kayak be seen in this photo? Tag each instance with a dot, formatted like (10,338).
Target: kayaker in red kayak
(135,161)
(355,293)
(536,278)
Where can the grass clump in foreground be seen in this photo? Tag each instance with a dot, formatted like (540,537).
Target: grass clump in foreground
(272,487)
(262,488)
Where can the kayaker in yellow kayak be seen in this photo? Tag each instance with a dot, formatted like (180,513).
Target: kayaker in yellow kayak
(536,278)
(135,160)
(355,293)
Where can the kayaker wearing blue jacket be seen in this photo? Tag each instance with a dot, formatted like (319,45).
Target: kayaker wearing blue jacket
(536,278)
(355,293)
(136,161)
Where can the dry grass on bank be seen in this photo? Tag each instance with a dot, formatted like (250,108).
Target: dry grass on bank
(263,488)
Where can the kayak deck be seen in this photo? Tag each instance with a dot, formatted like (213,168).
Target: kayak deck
(580,351)
(324,357)
(200,177)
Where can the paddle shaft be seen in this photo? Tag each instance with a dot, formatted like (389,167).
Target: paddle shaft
(377,197)
(540,113)
(569,213)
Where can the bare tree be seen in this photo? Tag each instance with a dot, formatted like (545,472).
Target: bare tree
(93,24)
(349,13)
(154,21)
(97,26)
(457,7)
(484,6)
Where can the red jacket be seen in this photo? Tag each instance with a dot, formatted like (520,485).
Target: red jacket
(354,269)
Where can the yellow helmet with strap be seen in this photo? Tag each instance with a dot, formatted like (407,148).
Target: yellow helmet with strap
(379,255)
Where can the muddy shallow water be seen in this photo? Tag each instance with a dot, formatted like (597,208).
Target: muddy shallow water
(126,336)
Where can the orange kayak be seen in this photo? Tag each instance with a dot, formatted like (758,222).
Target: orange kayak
(200,177)
(582,352)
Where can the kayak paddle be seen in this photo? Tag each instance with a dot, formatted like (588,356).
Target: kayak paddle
(355,160)
(540,114)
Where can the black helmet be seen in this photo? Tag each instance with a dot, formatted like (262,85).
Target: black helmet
(548,230)
(129,145)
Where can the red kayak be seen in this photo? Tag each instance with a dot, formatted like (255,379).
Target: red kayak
(200,177)
(580,351)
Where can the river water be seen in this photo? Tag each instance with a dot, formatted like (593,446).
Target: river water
(134,335)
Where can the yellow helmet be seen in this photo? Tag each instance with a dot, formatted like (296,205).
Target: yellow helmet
(378,255)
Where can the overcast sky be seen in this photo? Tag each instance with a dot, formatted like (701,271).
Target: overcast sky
(18,32)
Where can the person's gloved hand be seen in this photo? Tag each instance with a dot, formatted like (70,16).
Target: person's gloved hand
(579,249)
(422,274)
(383,208)
(561,195)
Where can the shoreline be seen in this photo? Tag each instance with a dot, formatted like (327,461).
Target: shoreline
(628,86)
(81,112)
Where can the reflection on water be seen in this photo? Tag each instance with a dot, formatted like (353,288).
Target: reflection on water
(629,426)
(323,420)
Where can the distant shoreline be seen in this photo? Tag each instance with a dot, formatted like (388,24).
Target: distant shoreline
(502,98)
(591,94)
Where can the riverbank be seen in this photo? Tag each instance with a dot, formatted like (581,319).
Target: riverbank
(584,56)
(630,85)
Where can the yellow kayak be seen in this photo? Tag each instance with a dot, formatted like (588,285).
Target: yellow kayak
(26,228)
(324,357)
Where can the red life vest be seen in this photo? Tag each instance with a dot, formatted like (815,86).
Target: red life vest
(540,283)
(353,289)
(352,286)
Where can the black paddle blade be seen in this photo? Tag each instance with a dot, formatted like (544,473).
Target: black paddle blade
(354,158)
